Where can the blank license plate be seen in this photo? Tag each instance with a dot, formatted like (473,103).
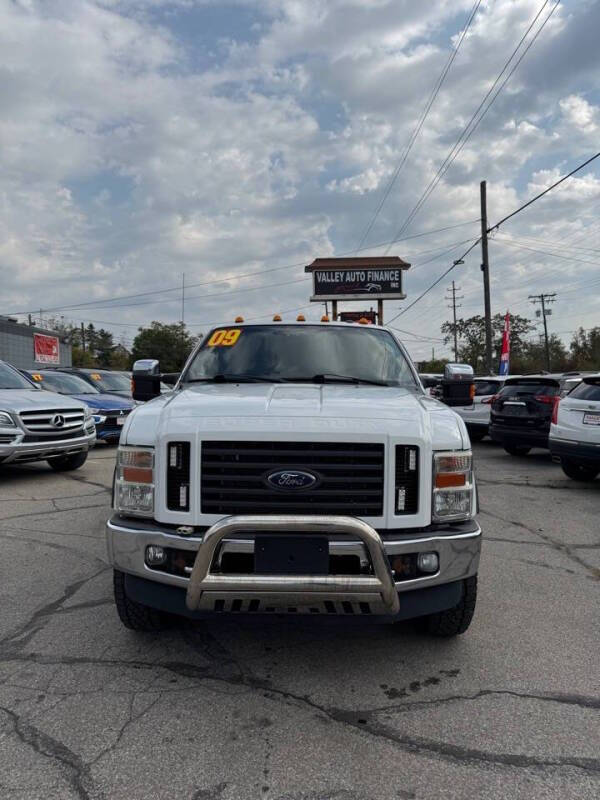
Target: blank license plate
(291,555)
(514,411)
(591,419)
(120,420)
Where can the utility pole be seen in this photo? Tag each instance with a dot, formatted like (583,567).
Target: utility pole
(453,300)
(485,268)
(83,337)
(544,299)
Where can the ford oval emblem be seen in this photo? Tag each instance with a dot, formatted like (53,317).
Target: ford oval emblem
(290,480)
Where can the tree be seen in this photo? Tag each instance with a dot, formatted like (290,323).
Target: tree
(103,347)
(471,338)
(170,344)
(435,365)
(585,349)
(534,357)
(82,358)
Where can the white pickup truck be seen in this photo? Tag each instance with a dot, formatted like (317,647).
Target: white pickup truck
(295,468)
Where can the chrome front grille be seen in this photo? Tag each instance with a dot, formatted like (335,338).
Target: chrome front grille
(350,477)
(52,420)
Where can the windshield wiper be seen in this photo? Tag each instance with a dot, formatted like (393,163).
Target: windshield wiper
(227,377)
(325,377)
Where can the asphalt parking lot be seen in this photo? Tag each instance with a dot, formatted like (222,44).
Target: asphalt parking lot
(295,708)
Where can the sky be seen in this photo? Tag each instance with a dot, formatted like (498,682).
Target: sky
(233,141)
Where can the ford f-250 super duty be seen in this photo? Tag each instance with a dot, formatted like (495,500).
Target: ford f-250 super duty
(295,468)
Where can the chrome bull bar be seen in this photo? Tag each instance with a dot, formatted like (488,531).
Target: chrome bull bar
(293,590)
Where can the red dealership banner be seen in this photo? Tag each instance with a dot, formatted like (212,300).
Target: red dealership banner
(46,349)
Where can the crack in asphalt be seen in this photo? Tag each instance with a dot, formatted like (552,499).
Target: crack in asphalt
(555,544)
(24,633)
(362,721)
(76,771)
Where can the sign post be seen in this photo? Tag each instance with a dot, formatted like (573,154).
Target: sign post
(377,278)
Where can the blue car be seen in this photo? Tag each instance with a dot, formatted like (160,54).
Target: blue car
(109,411)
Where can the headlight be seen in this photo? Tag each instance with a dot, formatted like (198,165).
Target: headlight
(453,487)
(134,486)
(98,419)
(6,420)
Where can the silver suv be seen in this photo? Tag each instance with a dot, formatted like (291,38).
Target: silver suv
(41,426)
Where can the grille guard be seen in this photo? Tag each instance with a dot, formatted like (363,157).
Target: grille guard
(293,589)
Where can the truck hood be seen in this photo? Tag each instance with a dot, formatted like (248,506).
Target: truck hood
(257,409)
(18,400)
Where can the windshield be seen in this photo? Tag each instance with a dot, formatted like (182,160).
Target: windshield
(587,390)
(11,379)
(63,383)
(110,381)
(302,353)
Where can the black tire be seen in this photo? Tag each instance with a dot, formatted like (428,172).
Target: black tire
(136,616)
(476,436)
(68,463)
(455,620)
(578,472)
(517,449)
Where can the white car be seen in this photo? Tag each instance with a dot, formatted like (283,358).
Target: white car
(295,468)
(41,426)
(575,430)
(477,416)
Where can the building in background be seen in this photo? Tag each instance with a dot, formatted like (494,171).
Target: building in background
(29,347)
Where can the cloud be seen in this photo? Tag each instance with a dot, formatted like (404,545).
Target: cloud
(144,139)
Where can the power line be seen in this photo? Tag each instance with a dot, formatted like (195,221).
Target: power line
(466,133)
(541,194)
(419,125)
(235,277)
(495,227)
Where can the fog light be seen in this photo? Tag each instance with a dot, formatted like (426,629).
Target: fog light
(428,562)
(155,555)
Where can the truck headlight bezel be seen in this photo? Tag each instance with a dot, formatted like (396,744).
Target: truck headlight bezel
(453,486)
(134,481)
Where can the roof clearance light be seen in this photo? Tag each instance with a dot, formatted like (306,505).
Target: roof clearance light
(239,319)
(324,318)
(300,318)
(277,318)
(363,321)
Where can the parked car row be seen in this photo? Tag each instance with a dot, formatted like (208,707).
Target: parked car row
(559,412)
(109,410)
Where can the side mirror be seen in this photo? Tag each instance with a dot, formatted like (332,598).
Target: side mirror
(145,379)
(170,378)
(458,388)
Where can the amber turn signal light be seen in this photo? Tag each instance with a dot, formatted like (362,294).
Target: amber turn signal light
(448,480)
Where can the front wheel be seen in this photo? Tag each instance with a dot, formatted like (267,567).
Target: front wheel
(578,472)
(517,449)
(136,616)
(454,620)
(68,463)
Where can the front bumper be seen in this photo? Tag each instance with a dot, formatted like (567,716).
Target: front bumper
(579,452)
(18,450)
(374,591)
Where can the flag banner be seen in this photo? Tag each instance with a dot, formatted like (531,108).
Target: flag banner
(505,353)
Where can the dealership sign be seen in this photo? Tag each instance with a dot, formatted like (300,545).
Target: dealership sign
(378,278)
(46,349)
